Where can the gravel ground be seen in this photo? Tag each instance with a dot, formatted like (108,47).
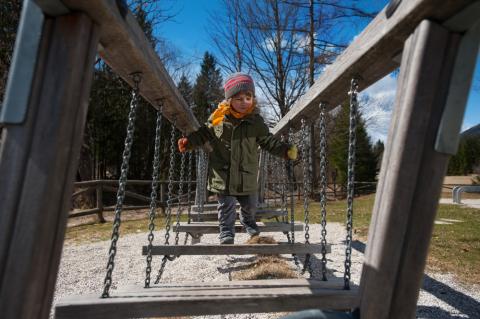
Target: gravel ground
(82,271)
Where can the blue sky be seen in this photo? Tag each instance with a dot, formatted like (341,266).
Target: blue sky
(189,33)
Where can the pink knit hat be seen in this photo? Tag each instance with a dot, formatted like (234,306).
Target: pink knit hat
(238,82)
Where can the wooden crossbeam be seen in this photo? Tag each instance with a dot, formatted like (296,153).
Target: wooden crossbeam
(261,213)
(240,249)
(213,207)
(126,49)
(212,228)
(188,299)
(370,57)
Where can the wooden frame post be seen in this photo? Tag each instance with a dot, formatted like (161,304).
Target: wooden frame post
(411,178)
(38,161)
(99,195)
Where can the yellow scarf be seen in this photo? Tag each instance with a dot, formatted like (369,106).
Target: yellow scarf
(224,108)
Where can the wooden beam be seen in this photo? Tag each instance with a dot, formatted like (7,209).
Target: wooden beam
(189,299)
(237,249)
(126,49)
(38,161)
(260,214)
(410,180)
(369,57)
(212,228)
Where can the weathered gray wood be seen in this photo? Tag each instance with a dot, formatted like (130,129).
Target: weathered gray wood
(85,212)
(369,56)
(82,191)
(38,162)
(260,214)
(209,299)
(209,207)
(129,194)
(212,228)
(126,49)
(237,249)
(410,179)
(99,193)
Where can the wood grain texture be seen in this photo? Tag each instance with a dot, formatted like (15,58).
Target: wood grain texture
(41,155)
(209,299)
(126,49)
(369,57)
(410,179)
(212,228)
(237,249)
(260,214)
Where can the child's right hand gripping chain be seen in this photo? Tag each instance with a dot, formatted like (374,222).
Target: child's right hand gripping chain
(292,152)
(182,144)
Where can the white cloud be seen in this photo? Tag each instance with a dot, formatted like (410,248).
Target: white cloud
(376,105)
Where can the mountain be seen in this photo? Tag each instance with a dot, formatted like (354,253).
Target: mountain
(471,132)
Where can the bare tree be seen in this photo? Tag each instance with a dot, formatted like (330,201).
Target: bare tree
(274,51)
(226,36)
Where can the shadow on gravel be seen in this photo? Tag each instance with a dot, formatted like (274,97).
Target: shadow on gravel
(458,300)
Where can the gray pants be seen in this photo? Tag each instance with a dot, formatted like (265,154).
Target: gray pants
(227,214)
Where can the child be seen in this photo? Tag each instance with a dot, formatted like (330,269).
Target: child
(235,130)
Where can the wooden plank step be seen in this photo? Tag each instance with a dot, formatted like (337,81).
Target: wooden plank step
(261,213)
(189,299)
(237,249)
(212,207)
(212,227)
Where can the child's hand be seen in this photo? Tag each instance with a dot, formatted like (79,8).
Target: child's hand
(182,144)
(292,152)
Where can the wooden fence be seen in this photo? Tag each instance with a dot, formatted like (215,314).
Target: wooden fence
(101,186)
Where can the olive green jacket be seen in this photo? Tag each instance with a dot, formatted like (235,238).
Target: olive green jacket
(233,164)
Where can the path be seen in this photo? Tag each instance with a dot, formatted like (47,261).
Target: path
(474,203)
(82,271)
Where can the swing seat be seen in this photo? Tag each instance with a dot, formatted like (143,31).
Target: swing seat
(212,227)
(262,213)
(240,249)
(211,207)
(188,299)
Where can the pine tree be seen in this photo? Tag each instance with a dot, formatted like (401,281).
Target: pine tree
(207,91)
(365,164)
(467,157)
(185,89)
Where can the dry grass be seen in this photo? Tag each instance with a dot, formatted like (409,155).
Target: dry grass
(265,266)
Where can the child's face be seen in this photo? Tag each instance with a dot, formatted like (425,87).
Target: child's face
(242,101)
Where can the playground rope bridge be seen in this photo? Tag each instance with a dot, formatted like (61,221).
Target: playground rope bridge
(435,44)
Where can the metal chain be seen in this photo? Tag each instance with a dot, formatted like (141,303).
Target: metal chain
(180,194)
(121,185)
(291,189)
(266,157)
(289,168)
(153,197)
(189,189)
(323,188)
(351,177)
(168,220)
(201,182)
(305,137)
(283,188)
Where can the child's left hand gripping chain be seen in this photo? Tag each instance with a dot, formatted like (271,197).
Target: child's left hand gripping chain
(182,144)
(292,152)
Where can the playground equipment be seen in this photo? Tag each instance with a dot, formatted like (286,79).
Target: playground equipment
(44,114)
